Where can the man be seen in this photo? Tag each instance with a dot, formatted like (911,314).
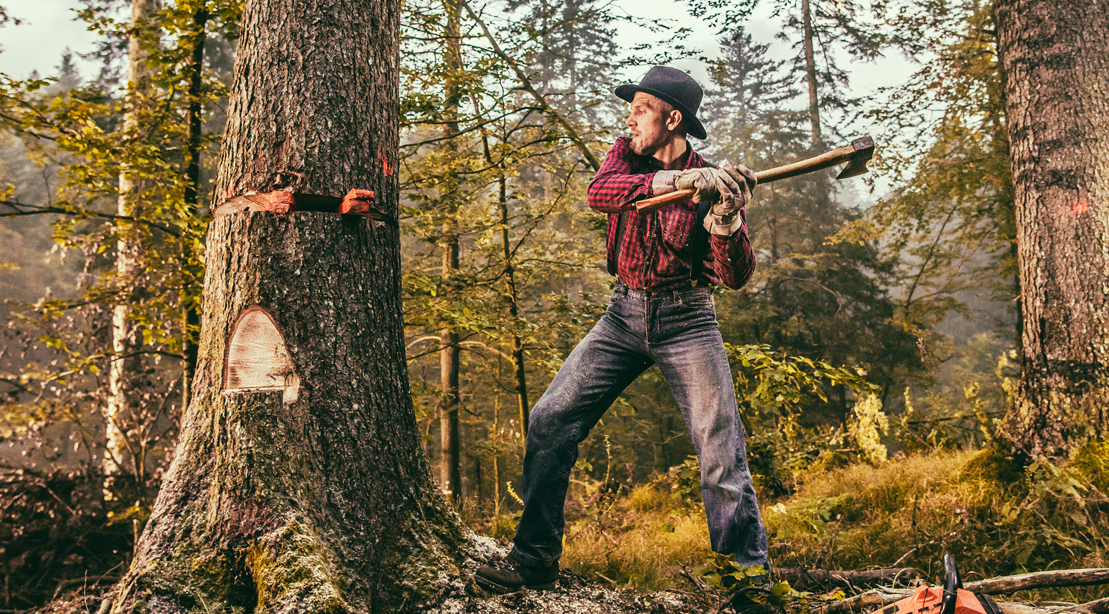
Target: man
(661,313)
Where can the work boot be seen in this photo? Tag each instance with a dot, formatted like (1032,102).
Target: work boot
(509,575)
(754,599)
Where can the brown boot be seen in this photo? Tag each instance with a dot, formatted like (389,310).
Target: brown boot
(508,575)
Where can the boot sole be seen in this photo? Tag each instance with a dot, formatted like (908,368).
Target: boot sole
(501,589)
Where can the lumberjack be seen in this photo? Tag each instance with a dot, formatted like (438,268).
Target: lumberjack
(666,263)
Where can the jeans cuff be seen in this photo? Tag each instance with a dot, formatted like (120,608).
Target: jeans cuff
(524,560)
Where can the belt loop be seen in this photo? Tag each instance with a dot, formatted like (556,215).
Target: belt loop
(677,297)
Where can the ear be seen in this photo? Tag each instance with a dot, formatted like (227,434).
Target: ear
(674,120)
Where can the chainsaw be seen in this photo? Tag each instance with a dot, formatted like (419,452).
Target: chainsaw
(951,599)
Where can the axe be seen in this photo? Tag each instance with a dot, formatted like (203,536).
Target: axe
(856,155)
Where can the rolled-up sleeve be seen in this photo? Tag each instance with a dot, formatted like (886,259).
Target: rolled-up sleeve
(733,259)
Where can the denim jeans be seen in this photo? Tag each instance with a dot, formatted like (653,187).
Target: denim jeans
(678,331)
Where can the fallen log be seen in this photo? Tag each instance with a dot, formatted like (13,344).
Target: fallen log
(805,579)
(1039,579)
(866,602)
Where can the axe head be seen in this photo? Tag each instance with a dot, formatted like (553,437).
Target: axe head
(856,164)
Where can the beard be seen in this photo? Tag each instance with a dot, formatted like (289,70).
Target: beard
(642,147)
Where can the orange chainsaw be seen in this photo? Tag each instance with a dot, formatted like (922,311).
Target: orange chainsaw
(951,599)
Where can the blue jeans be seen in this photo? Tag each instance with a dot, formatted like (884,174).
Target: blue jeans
(678,331)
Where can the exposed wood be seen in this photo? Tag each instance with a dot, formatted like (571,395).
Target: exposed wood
(1040,579)
(357,202)
(257,358)
(1101,606)
(870,600)
(803,579)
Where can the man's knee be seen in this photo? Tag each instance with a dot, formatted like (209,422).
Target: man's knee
(547,426)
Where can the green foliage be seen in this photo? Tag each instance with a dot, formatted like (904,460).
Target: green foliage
(950,223)
(126,210)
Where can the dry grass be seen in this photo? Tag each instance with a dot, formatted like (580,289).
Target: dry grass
(640,541)
(995,519)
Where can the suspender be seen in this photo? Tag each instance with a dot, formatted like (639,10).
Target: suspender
(700,241)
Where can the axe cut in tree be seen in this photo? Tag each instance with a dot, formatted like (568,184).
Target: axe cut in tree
(856,155)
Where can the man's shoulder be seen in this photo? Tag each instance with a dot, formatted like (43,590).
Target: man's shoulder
(697,161)
(622,145)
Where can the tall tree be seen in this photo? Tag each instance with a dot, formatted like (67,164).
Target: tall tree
(1055,67)
(450,476)
(298,484)
(129,377)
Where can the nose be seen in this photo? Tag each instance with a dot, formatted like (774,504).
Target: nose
(629,122)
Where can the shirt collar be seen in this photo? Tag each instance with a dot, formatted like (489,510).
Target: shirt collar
(681,163)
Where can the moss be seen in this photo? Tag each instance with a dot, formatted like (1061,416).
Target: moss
(295,569)
(995,463)
(1092,461)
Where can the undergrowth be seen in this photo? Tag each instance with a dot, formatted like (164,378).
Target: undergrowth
(996,516)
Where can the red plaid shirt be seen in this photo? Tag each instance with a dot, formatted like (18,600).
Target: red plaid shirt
(656,249)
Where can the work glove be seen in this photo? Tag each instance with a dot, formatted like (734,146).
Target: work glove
(711,184)
(724,219)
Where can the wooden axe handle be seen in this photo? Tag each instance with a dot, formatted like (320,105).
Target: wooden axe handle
(824,160)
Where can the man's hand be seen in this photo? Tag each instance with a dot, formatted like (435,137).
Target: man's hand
(712,184)
(723,219)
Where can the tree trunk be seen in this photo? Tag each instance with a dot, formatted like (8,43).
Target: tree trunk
(298,484)
(192,193)
(1055,63)
(810,72)
(450,450)
(128,378)
(518,362)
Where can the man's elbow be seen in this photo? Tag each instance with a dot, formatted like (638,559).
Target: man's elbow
(741,275)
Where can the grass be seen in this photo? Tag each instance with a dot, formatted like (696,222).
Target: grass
(995,517)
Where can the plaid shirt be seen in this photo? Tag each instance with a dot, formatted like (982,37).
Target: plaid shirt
(656,249)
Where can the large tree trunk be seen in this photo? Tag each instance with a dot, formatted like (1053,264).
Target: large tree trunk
(1055,62)
(298,482)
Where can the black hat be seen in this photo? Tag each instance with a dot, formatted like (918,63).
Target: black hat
(675,87)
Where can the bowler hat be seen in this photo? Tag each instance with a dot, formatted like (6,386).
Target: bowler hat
(675,87)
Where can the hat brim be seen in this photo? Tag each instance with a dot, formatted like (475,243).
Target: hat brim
(696,129)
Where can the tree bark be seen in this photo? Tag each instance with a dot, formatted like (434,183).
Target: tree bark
(298,484)
(1055,66)
(807,579)
(1040,579)
(518,361)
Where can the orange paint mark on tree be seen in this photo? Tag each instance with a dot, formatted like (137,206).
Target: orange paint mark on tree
(1080,206)
(385,166)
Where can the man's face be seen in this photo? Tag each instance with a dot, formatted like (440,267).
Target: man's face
(647,122)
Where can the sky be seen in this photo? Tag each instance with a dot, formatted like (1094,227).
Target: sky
(50,26)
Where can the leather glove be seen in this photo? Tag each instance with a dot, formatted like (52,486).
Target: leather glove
(709,183)
(723,219)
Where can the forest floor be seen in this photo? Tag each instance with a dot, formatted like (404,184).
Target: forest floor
(645,549)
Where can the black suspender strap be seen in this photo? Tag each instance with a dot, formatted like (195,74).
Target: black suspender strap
(700,239)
